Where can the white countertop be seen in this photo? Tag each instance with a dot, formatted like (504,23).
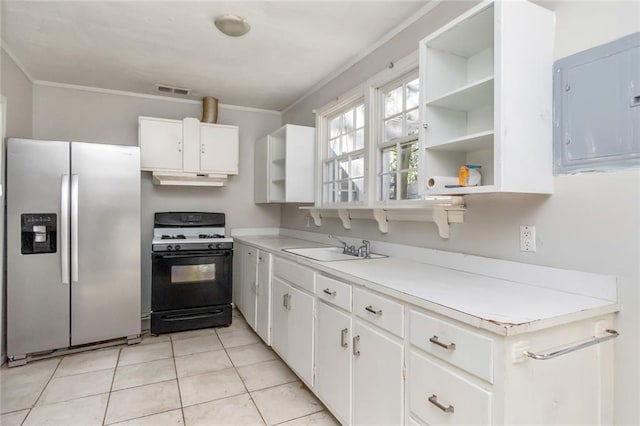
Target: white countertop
(502,306)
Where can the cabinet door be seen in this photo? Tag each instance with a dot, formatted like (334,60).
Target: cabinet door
(238,272)
(161,144)
(333,360)
(249,265)
(377,378)
(261,171)
(279,317)
(300,322)
(218,149)
(263,314)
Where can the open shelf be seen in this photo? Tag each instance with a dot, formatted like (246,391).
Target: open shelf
(472,142)
(467,98)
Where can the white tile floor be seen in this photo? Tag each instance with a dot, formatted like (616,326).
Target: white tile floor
(223,376)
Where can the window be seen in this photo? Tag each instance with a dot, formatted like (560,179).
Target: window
(344,158)
(398,139)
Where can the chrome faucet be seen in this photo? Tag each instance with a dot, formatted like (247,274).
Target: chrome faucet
(365,249)
(346,249)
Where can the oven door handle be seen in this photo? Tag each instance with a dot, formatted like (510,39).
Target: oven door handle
(184,317)
(195,254)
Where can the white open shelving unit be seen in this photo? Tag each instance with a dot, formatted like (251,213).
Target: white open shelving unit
(486,98)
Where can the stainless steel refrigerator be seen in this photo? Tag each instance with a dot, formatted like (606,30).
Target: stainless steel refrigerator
(73,245)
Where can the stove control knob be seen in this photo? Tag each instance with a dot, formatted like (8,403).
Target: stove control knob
(169,248)
(218,245)
(212,246)
(177,246)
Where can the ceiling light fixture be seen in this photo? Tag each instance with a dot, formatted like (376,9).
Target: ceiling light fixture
(232,25)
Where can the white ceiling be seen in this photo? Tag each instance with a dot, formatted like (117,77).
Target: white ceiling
(133,45)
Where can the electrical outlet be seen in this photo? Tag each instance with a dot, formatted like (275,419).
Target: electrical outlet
(527,238)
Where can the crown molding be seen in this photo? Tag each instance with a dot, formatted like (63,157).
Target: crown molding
(15,59)
(380,42)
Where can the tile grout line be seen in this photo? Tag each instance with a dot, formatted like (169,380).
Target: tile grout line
(242,380)
(42,391)
(302,417)
(175,367)
(113,379)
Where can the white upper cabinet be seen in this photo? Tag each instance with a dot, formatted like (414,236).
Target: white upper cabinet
(284,166)
(187,152)
(161,144)
(486,99)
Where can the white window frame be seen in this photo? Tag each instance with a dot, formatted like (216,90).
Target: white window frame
(323,116)
(401,70)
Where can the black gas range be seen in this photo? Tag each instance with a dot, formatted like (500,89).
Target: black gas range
(191,272)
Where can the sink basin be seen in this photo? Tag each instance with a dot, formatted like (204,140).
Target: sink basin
(326,254)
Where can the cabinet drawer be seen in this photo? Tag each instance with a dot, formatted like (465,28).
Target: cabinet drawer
(335,292)
(469,351)
(460,402)
(379,310)
(295,274)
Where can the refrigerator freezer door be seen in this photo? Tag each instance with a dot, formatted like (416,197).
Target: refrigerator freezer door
(105,289)
(37,297)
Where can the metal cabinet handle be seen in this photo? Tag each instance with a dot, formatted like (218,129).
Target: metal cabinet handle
(449,347)
(434,400)
(74,228)
(284,300)
(288,301)
(356,344)
(635,101)
(612,335)
(343,338)
(329,292)
(202,148)
(373,311)
(179,146)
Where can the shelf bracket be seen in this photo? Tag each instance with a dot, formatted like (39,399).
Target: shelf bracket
(315,214)
(381,217)
(343,214)
(441,219)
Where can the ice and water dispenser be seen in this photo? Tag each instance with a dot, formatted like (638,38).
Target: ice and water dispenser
(38,233)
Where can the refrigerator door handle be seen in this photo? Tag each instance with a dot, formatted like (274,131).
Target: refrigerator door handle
(64,229)
(74,228)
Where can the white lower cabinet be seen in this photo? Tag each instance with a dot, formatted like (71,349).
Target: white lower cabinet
(263,296)
(292,327)
(333,360)
(438,396)
(378,386)
(248,287)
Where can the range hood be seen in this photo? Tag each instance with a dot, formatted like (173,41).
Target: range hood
(189,179)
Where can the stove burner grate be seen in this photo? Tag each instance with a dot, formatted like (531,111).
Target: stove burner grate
(210,236)
(173,237)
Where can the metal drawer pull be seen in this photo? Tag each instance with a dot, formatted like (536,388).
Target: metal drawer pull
(612,335)
(434,400)
(373,311)
(288,301)
(343,337)
(356,349)
(329,292)
(284,300)
(449,347)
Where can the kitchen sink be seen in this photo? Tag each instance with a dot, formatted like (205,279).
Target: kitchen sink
(327,254)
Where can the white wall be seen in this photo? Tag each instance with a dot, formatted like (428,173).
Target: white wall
(71,114)
(591,223)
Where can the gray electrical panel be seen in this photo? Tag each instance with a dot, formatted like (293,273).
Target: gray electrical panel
(597,108)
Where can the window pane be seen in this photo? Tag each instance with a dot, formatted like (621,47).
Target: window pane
(334,147)
(343,169)
(347,143)
(334,127)
(412,122)
(393,102)
(413,93)
(360,117)
(359,140)
(408,185)
(409,156)
(388,160)
(329,195)
(392,128)
(347,121)
(389,187)
(343,191)
(357,167)
(329,172)
(357,186)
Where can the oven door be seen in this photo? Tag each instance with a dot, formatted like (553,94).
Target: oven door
(191,279)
